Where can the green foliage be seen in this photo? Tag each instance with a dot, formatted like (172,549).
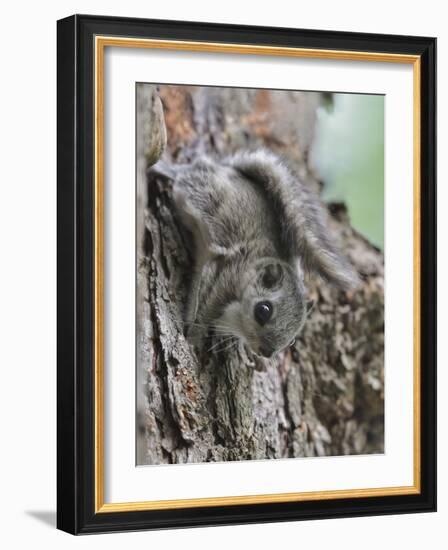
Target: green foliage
(349,156)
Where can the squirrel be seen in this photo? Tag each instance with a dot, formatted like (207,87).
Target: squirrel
(256,231)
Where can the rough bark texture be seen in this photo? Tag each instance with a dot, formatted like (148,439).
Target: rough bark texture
(325,396)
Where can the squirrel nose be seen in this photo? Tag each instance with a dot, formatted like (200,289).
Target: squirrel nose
(265,352)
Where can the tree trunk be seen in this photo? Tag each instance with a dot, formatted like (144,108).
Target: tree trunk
(323,397)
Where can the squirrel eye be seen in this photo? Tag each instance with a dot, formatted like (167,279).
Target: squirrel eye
(293,341)
(263,312)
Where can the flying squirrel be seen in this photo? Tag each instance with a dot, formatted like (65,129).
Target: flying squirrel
(256,231)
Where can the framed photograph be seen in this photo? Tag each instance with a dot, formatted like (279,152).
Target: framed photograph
(246,274)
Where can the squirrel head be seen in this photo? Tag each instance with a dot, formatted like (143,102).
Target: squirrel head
(271,307)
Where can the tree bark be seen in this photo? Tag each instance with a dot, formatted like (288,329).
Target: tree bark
(323,397)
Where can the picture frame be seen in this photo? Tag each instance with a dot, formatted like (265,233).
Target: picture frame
(82,203)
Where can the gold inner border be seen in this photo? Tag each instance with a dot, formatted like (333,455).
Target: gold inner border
(101,42)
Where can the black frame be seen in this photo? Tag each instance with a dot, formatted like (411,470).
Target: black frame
(75,225)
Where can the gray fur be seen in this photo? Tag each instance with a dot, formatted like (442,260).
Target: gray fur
(303,231)
(256,230)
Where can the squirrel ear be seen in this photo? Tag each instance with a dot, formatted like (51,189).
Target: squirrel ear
(271,275)
(165,170)
(303,232)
